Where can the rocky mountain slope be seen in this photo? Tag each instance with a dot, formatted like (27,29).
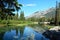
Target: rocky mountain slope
(47,13)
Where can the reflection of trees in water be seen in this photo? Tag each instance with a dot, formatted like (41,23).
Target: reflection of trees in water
(5,29)
(16,31)
(1,35)
(22,30)
(16,36)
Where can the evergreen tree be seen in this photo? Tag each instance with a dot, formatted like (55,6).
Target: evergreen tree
(22,16)
(7,7)
(57,14)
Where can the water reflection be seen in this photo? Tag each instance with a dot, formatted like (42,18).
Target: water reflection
(1,35)
(26,33)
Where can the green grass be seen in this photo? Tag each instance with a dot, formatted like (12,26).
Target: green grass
(15,23)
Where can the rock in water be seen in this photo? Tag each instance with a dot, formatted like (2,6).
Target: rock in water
(55,28)
(53,33)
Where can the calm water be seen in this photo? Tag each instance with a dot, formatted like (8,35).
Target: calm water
(23,33)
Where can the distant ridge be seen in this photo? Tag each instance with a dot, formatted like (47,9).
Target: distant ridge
(47,13)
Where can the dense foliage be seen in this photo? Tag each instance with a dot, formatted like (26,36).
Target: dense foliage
(7,7)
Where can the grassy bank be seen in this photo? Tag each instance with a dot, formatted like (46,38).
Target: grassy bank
(15,23)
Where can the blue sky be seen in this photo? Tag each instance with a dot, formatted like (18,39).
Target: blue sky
(31,6)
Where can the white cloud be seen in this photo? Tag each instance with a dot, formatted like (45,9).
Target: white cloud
(29,5)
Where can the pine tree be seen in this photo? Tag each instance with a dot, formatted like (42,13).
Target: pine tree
(57,14)
(22,16)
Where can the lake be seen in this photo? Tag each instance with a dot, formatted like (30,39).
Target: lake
(21,33)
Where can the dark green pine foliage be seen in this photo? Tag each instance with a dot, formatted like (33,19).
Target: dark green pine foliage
(57,14)
(7,7)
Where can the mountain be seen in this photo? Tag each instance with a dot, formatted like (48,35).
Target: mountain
(47,13)
(51,13)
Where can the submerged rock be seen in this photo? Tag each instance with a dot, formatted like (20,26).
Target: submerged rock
(53,33)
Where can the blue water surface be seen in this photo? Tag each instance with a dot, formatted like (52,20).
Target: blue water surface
(28,34)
